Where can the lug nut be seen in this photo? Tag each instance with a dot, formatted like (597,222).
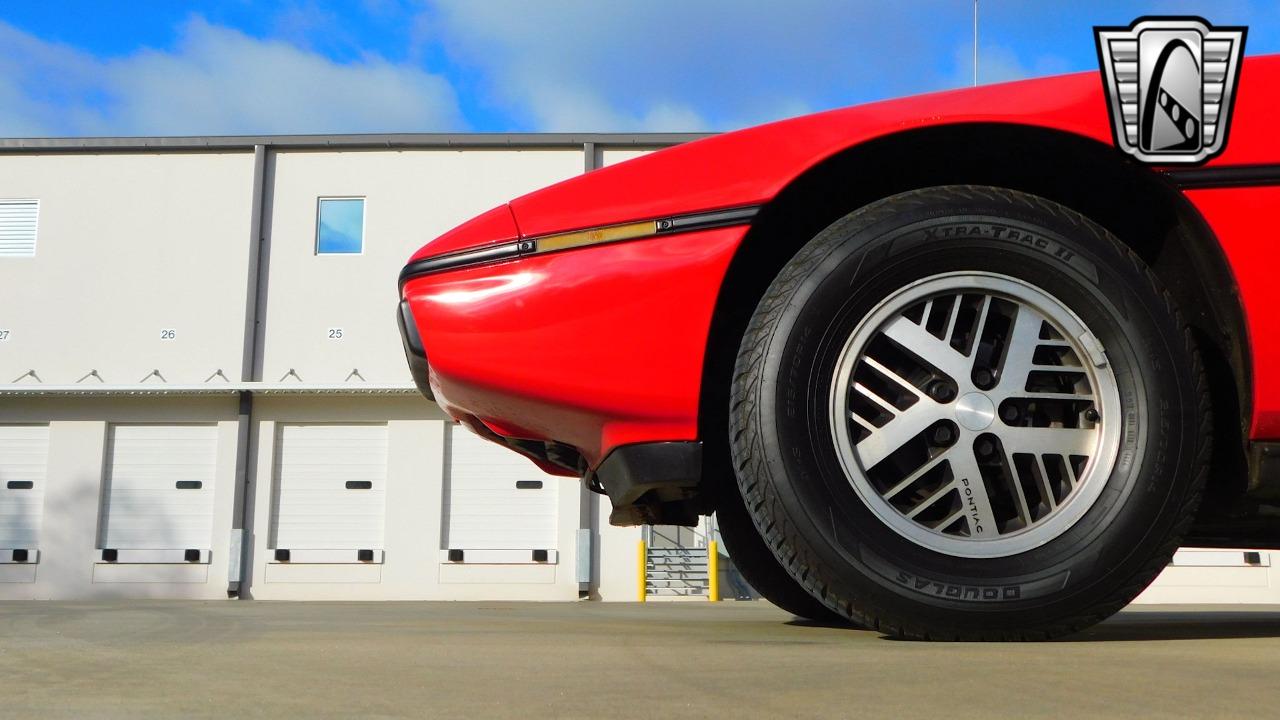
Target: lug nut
(941,391)
(1010,413)
(984,378)
(943,436)
(985,448)
(1091,415)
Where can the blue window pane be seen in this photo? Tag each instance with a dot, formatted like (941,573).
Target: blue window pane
(341,227)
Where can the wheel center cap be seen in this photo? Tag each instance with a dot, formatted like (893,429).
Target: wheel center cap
(975,411)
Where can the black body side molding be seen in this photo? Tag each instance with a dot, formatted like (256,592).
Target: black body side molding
(1220,177)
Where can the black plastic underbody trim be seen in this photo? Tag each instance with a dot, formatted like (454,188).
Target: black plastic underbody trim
(414,351)
(647,483)
(1264,469)
(1219,177)
(519,248)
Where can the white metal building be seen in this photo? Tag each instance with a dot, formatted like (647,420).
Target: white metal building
(203,392)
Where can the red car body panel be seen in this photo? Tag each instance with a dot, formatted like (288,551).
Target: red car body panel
(489,228)
(602,346)
(593,348)
(751,166)
(1239,217)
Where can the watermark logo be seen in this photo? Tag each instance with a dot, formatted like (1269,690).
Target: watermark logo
(1170,85)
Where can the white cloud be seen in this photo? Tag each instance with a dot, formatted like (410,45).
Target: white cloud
(559,65)
(570,65)
(41,84)
(673,64)
(215,81)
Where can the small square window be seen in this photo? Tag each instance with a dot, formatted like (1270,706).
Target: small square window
(340,226)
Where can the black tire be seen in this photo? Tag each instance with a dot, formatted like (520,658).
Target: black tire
(762,571)
(829,540)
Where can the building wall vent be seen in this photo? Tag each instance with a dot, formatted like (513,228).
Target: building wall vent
(18,227)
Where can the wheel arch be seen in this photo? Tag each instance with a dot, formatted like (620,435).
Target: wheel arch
(1138,205)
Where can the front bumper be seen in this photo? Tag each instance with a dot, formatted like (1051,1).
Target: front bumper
(584,350)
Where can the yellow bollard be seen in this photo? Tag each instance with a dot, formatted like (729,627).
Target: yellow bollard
(713,572)
(641,560)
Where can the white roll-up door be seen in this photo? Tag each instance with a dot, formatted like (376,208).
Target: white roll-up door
(497,499)
(158,491)
(330,490)
(24,455)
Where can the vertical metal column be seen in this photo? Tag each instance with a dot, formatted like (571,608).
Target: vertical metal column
(240,554)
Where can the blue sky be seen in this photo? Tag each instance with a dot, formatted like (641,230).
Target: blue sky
(154,67)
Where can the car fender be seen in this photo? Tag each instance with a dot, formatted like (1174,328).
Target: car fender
(730,170)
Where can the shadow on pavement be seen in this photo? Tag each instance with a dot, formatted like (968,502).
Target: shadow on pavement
(1147,625)
(1202,625)
(831,624)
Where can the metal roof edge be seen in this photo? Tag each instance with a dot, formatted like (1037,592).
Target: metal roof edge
(369,141)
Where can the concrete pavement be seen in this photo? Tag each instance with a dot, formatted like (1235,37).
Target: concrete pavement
(592,660)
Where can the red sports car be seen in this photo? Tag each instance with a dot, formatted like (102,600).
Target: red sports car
(951,366)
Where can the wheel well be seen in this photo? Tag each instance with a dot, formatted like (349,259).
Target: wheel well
(1139,206)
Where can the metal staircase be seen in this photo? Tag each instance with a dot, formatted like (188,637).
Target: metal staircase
(676,562)
(678,572)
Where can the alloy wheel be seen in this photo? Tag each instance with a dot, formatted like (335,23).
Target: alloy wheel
(975,414)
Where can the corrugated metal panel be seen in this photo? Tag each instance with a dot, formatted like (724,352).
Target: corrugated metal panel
(484,508)
(18,220)
(24,456)
(330,489)
(159,486)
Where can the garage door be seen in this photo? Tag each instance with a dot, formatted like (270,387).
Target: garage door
(330,492)
(158,492)
(497,499)
(24,454)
